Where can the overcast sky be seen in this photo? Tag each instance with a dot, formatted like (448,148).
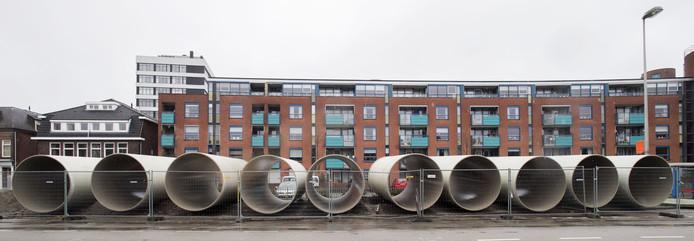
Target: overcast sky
(59,54)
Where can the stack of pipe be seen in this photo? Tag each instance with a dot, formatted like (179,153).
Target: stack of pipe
(340,204)
(431,180)
(255,191)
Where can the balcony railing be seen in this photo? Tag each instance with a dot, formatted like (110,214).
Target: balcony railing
(257,140)
(557,119)
(484,120)
(630,118)
(257,119)
(339,119)
(625,140)
(339,141)
(167,117)
(414,119)
(481,141)
(558,140)
(167,140)
(273,140)
(273,119)
(414,141)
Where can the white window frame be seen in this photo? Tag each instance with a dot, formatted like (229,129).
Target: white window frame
(296,135)
(235,137)
(186,133)
(51,148)
(236,115)
(370,136)
(296,112)
(300,151)
(66,148)
(7,144)
(122,147)
(112,149)
(85,148)
(94,146)
(445,109)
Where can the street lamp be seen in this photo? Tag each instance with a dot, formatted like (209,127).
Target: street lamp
(651,13)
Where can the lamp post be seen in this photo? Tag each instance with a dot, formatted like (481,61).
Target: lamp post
(651,13)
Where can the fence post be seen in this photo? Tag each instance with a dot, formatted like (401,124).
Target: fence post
(583,180)
(595,192)
(330,195)
(151,193)
(65,194)
(509,194)
(679,187)
(421,193)
(238,197)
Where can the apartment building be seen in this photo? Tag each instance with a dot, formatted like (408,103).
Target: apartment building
(17,126)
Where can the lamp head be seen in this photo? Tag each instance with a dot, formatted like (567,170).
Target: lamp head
(651,13)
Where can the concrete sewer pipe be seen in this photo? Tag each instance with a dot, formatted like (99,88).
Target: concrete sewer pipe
(380,175)
(471,182)
(645,181)
(255,191)
(537,183)
(340,204)
(197,181)
(121,182)
(38,182)
(580,179)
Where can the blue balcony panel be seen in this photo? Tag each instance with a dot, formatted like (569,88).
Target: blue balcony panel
(257,141)
(334,163)
(491,141)
(273,119)
(419,120)
(634,139)
(334,120)
(273,141)
(491,120)
(420,141)
(636,118)
(334,141)
(167,117)
(563,119)
(257,119)
(167,140)
(564,141)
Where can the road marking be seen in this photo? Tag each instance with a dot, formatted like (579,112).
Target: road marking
(579,238)
(254,231)
(193,231)
(126,231)
(499,239)
(661,237)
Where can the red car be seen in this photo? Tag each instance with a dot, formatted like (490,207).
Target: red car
(400,183)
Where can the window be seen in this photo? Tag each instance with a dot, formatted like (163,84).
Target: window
(192,110)
(82,149)
(84,126)
(442,151)
(55,149)
(145,91)
(655,76)
(145,79)
(95,149)
(370,90)
(662,132)
(122,147)
(6,148)
(441,133)
(585,112)
(662,110)
(442,112)
(295,133)
(123,126)
(163,90)
(586,90)
(68,149)
(178,68)
(370,155)
(369,133)
(514,133)
(109,148)
(96,126)
(145,67)
(163,79)
(663,151)
(586,133)
(178,80)
(443,90)
(369,112)
(586,150)
(109,126)
(513,112)
(191,133)
(513,91)
(57,126)
(513,151)
(233,88)
(236,153)
(235,133)
(295,111)
(190,149)
(161,68)
(298,89)
(296,154)
(235,111)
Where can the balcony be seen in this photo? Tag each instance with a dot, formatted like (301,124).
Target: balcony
(485,120)
(630,118)
(257,119)
(557,119)
(558,140)
(414,141)
(486,141)
(273,119)
(339,141)
(625,140)
(273,140)
(167,140)
(339,119)
(257,140)
(332,163)
(167,117)
(414,120)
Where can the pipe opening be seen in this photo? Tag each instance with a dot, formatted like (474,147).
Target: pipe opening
(583,176)
(119,182)
(268,190)
(474,183)
(345,187)
(540,184)
(432,185)
(38,184)
(194,182)
(650,181)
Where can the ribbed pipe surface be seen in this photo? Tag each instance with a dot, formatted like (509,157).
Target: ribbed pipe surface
(121,182)
(255,191)
(381,170)
(38,182)
(343,203)
(537,183)
(580,184)
(645,181)
(198,181)
(471,182)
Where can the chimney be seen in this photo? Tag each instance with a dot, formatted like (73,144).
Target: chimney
(191,54)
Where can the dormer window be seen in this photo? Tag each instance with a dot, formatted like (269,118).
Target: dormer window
(102,106)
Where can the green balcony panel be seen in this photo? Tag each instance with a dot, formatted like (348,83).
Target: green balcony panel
(334,120)
(334,141)
(419,120)
(273,119)
(420,141)
(564,141)
(490,120)
(491,141)
(334,163)
(563,119)
(257,141)
(167,117)
(273,141)
(636,118)
(634,139)
(257,119)
(167,140)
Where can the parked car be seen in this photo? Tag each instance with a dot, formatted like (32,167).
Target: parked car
(287,187)
(315,181)
(399,183)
